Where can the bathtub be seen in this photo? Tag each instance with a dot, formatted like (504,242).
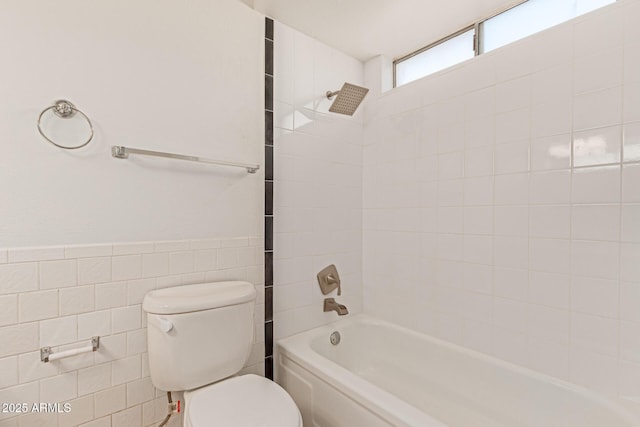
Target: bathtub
(381,374)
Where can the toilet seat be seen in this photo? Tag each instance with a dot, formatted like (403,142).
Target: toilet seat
(243,401)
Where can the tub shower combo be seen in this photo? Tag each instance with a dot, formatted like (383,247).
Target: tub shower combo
(361,371)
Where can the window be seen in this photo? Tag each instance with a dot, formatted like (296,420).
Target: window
(522,20)
(437,57)
(531,17)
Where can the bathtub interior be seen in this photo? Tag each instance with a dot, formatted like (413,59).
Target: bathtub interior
(462,387)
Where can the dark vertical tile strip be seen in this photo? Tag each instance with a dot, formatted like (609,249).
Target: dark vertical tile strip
(268,269)
(268,197)
(268,306)
(268,338)
(268,92)
(268,367)
(268,127)
(268,233)
(268,29)
(268,57)
(268,163)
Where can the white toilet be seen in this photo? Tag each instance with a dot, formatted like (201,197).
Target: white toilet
(198,335)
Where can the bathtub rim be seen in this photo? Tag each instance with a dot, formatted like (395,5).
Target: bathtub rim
(299,350)
(377,400)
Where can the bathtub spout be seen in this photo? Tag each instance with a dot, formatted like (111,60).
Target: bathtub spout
(330,304)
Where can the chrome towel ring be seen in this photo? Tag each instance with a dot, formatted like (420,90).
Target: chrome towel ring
(64,109)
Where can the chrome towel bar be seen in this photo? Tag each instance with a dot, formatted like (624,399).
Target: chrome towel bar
(122,152)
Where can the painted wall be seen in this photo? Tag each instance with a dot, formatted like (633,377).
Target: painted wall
(317,182)
(180,77)
(501,202)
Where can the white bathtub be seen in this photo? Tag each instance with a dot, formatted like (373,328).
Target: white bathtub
(382,374)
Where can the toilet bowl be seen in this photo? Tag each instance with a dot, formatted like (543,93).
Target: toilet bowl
(199,338)
(246,400)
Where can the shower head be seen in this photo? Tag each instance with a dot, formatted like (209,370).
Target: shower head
(348,100)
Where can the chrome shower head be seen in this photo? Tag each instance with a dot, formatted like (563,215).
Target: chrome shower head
(348,100)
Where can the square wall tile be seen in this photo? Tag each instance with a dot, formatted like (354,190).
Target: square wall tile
(511,158)
(594,333)
(597,146)
(631,223)
(511,189)
(511,221)
(596,185)
(595,296)
(549,289)
(598,71)
(598,109)
(513,126)
(478,162)
(550,187)
(631,108)
(552,118)
(551,152)
(595,259)
(550,221)
(552,84)
(631,144)
(631,183)
(513,94)
(550,255)
(596,222)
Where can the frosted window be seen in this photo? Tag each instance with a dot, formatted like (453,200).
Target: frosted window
(443,55)
(532,17)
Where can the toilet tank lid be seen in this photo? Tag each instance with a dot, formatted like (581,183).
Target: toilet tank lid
(203,296)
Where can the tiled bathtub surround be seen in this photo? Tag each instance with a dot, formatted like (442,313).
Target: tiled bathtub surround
(501,202)
(61,296)
(318,181)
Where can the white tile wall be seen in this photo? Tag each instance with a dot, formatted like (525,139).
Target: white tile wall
(318,181)
(97,290)
(528,220)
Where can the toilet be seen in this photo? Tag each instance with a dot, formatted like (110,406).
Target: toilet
(199,338)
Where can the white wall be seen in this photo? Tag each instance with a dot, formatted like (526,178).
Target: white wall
(317,182)
(501,202)
(183,77)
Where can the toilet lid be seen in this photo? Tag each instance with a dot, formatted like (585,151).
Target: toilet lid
(244,401)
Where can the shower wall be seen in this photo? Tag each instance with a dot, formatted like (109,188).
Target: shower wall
(317,181)
(502,202)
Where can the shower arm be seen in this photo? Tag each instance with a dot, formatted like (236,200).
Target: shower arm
(330,94)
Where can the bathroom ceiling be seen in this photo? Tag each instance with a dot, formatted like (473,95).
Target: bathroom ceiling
(366,28)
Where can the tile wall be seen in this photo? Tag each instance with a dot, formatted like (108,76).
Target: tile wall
(502,202)
(62,296)
(318,182)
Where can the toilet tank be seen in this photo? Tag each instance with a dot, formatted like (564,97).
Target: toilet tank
(198,334)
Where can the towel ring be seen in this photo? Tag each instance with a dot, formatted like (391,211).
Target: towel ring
(65,109)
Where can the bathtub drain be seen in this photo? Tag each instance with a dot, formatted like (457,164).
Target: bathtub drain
(335,338)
